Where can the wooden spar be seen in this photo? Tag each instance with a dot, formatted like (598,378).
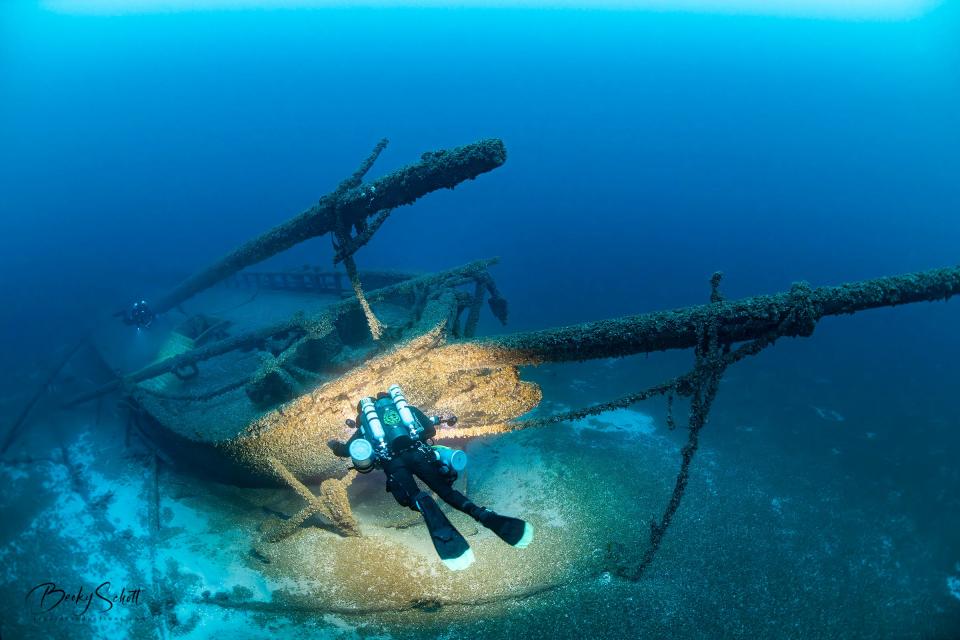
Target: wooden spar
(435,170)
(190,358)
(796,312)
(17,425)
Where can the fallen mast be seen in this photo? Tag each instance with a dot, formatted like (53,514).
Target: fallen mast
(792,313)
(350,206)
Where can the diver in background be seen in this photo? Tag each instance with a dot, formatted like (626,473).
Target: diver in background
(392,435)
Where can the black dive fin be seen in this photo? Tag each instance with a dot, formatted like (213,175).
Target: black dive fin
(513,531)
(450,545)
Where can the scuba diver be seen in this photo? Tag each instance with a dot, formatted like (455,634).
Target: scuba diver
(139,315)
(393,435)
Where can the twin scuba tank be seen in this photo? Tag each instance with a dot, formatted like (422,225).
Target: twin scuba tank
(388,425)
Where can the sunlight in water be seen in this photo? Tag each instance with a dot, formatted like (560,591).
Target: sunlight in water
(839,9)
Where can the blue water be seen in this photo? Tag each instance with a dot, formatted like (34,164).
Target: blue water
(646,150)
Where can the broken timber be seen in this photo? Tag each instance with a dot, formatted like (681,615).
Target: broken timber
(14,432)
(435,170)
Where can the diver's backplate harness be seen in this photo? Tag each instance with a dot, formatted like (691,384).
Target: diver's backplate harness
(388,426)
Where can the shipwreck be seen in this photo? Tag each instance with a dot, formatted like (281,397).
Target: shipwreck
(254,400)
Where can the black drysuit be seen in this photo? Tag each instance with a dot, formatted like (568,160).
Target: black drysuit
(401,470)
(418,461)
(414,459)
